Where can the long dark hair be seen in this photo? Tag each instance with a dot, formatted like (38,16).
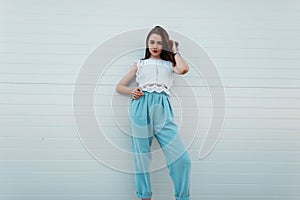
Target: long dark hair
(166,53)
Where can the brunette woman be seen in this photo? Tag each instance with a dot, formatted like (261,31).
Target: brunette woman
(151,113)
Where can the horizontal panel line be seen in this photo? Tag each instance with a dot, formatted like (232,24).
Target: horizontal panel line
(184,96)
(67,195)
(194,184)
(166,196)
(54,24)
(50,44)
(212,57)
(203,96)
(253,196)
(72,84)
(189,76)
(97,172)
(117,75)
(201,37)
(166,17)
(40,64)
(63,126)
(198,17)
(207,47)
(87,44)
(187,106)
(48,53)
(43,139)
(124,116)
(109,95)
(251,48)
(209,77)
(193,161)
(50,138)
(82,148)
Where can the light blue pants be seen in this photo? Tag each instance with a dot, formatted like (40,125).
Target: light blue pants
(152,115)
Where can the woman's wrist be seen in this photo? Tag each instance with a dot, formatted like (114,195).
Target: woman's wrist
(176,52)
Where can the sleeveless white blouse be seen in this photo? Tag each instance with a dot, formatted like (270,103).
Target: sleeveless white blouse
(154,75)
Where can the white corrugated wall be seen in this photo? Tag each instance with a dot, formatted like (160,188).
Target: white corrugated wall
(255,46)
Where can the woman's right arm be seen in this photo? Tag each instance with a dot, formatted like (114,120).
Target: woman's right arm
(122,86)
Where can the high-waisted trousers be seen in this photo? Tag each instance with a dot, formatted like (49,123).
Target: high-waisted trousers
(152,116)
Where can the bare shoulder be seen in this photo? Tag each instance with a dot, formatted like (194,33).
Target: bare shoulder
(130,74)
(133,67)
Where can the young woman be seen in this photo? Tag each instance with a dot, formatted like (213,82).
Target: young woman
(151,113)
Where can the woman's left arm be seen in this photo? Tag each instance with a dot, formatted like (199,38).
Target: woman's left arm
(181,66)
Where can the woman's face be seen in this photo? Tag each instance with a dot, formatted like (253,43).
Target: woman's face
(155,45)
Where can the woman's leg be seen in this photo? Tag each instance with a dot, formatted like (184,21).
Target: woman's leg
(142,159)
(177,157)
(178,162)
(141,136)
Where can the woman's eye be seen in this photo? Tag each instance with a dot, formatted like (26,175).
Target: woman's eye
(153,42)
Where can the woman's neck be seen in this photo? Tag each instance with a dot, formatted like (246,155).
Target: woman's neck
(155,58)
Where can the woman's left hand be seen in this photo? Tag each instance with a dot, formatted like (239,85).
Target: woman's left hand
(174,46)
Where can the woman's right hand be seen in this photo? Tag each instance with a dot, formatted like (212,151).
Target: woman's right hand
(137,93)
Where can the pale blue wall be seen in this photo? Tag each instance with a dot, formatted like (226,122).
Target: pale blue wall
(254,45)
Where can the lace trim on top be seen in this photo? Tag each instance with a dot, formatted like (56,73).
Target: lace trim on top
(152,87)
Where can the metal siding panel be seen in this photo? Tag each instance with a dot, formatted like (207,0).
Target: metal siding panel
(254,45)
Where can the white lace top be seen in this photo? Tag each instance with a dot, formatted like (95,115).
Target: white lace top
(154,75)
